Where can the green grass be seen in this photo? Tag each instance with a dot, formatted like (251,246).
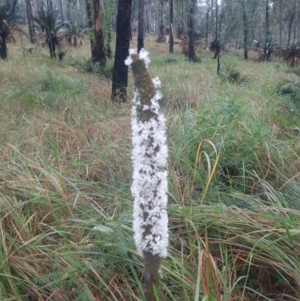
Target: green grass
(65,176)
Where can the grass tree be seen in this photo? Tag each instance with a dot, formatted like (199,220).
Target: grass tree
(9,21)
(149,187)
(52,32)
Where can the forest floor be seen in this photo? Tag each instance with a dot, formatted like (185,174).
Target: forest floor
(65,176)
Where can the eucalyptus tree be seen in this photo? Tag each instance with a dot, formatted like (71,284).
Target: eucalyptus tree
(98,51)
(123,35)
(30,21)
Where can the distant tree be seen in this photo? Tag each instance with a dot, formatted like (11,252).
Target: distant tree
(98,51)
(9,21)
(123,35)
(30,21)
(171,40)
(246,29)
(191,49)
(140,37)
(267,48)
(51,30)
(280,23)
(211,19)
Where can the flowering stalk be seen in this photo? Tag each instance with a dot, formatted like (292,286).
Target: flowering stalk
(149,155)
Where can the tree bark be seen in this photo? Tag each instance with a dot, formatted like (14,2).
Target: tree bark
(3,48)
(123,35)
(140,37)
(98,51)
(171,40)
(191,49)
(30,22)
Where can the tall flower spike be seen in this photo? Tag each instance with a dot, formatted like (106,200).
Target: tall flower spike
(149,156)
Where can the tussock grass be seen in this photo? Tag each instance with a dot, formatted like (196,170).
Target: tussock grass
(65,176)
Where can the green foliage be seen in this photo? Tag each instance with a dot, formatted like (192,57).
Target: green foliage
(52,32)
(231,74)
(290,54)
(290,88)
(84,65)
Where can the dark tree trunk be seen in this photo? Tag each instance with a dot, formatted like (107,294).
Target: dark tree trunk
(295,23)
(211,19)
(246,30)
(217,20)
(3,48)
(140,37)
(98,51)
(267,52)
(30,22)
(191,49)
(171,40)
(52,49)
(123,35)
(161,26)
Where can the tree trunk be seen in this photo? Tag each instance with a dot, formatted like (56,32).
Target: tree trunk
(207,25)
(230,20)
(191,49)
(295,23)
(147,18)
(52,49)
(171,40)
(211,19)
(216,20)
(140,37)
(246,31)
(98,49)
(123,35)
(161,26)
(290,28)
(280,24)
(30,22)
(267,37)
(3,48)
(69,3)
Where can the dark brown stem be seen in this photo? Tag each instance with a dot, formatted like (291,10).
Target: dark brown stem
(149,287)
